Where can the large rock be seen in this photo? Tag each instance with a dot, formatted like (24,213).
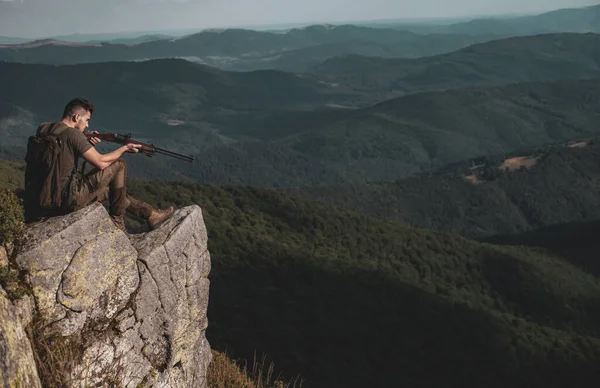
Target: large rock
(137,303)
(81,268)
(171,304)
(17,365)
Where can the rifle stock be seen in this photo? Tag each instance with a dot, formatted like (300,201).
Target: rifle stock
(147,149)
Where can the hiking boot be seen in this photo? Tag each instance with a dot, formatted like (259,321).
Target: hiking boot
(159,216)
(119,222)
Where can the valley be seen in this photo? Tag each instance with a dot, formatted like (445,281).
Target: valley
(387,204)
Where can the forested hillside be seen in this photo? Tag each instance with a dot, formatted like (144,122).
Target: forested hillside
(344,299)
(289,147)
(298,273)
(507,193)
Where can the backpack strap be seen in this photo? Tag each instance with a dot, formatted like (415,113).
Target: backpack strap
(58,129)
(76,177)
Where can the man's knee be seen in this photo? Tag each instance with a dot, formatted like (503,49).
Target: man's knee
(116,167)
(115,172)
(120,163)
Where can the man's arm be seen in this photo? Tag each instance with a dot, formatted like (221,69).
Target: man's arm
(101,161)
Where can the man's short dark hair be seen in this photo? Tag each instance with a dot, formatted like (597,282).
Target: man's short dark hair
(77,104)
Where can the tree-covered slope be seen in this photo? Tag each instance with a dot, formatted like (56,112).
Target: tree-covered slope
(480,198)
(347,300)
(429,130)
(294,148)
(344,299)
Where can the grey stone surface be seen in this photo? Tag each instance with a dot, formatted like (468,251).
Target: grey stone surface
(137,303)
(17,365)
(80,267)
(174,265)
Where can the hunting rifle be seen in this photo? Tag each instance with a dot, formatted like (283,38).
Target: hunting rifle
(147,149)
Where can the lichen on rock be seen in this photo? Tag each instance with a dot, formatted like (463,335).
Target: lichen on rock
(17,364)
(136,303)
(76,265)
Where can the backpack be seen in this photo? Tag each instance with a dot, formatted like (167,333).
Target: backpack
(45,195)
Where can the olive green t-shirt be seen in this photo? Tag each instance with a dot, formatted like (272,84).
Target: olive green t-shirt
(74,144)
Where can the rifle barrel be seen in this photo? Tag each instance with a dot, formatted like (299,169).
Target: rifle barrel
(124,139)
(174,154)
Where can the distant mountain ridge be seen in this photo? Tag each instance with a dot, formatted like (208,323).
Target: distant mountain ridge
(528,58)
(578,19)
(12,40)
(581,20)
(297,49)
(243,50)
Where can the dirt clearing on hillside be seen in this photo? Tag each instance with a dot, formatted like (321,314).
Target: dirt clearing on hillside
(518,162)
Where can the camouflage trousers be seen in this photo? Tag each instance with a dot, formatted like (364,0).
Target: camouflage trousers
(109,184)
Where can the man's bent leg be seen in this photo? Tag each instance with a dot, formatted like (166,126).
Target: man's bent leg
(100,185)
(117,194)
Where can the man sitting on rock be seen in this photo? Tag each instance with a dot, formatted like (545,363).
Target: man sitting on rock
(66,185)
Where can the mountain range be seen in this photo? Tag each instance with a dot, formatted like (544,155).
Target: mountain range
(272,128)
(299,49)
(414,205)
(245,50)
(530,58)
(581,19)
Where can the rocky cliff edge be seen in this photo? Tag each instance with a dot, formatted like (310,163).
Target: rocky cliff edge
(135,306)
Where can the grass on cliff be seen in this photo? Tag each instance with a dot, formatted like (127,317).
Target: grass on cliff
(12,223)
(56,358)
(225,372)
(12,226)
(12,175)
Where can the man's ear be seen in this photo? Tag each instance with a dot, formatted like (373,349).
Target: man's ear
(76,118)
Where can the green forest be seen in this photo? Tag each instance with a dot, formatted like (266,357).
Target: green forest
(380,303)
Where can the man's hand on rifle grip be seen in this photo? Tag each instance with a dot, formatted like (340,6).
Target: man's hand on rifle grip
(133,148)
(94,140)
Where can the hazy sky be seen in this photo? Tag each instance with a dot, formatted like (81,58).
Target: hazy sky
(37,18)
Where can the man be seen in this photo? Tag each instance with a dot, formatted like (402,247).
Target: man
(106,181)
